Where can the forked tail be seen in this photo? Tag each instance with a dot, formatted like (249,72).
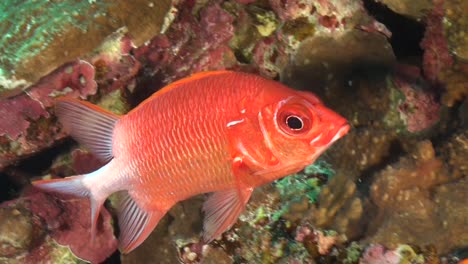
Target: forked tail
(94,128)
(75,186)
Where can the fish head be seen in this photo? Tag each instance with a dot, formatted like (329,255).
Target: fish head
(297,128)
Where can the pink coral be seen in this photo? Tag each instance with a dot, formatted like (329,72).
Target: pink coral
(68,223)
(419,110)
(436,51)
(290,9)
(378,254)
(115,67)
(26,123)
(75,79)
(191,44)
(323,242)
(19,112)
(270,57)
(85,162)
(16,113)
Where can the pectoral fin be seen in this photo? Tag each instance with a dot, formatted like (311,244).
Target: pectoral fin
(222,210)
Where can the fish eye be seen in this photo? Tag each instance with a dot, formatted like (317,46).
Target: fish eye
(294,122)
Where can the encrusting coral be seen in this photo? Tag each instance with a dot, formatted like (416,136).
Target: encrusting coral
(339,208)
(415,190)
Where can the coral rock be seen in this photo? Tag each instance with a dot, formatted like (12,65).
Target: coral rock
(61,32)
(404,195)
(19,138)
(436,51)
(416,9)
(339,207)
(419,109)
(68,223)
(376,253)
(191,44)
(18,231)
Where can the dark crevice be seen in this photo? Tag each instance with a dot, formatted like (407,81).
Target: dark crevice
(15,177)
(407,33)
(8,190)
(40,163)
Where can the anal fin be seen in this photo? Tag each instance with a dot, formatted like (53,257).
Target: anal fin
(135,223)
(222,210)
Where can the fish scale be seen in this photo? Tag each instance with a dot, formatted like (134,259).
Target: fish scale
(205,156)
(222,132)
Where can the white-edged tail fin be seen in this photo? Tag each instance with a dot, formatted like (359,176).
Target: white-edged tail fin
(135,223)
(74,186)
(89,124)
(70,185)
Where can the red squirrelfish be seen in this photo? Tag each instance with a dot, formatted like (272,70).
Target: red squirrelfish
(222,132)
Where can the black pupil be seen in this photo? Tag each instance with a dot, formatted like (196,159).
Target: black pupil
(294,122)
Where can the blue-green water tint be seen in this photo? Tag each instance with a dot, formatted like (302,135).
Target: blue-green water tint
(27,27)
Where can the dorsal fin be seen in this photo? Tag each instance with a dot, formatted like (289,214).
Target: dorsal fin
(89,124)
(193,77)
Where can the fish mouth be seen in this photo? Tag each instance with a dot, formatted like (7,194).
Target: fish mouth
(341,132)
(337,135)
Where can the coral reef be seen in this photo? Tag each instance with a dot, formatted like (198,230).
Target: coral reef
(437,55)
(443,37)
(415,9)
(16,134)
(340,210)
(392,191)
(42,222)
(42,35)
(402,192)
(402,254)
(27,124)
(415,104)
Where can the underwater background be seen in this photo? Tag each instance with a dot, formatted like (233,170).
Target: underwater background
(393,190)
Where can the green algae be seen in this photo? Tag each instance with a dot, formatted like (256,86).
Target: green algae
(393,118)
(293,188)
(28,27)
(304,182)
(353,253)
